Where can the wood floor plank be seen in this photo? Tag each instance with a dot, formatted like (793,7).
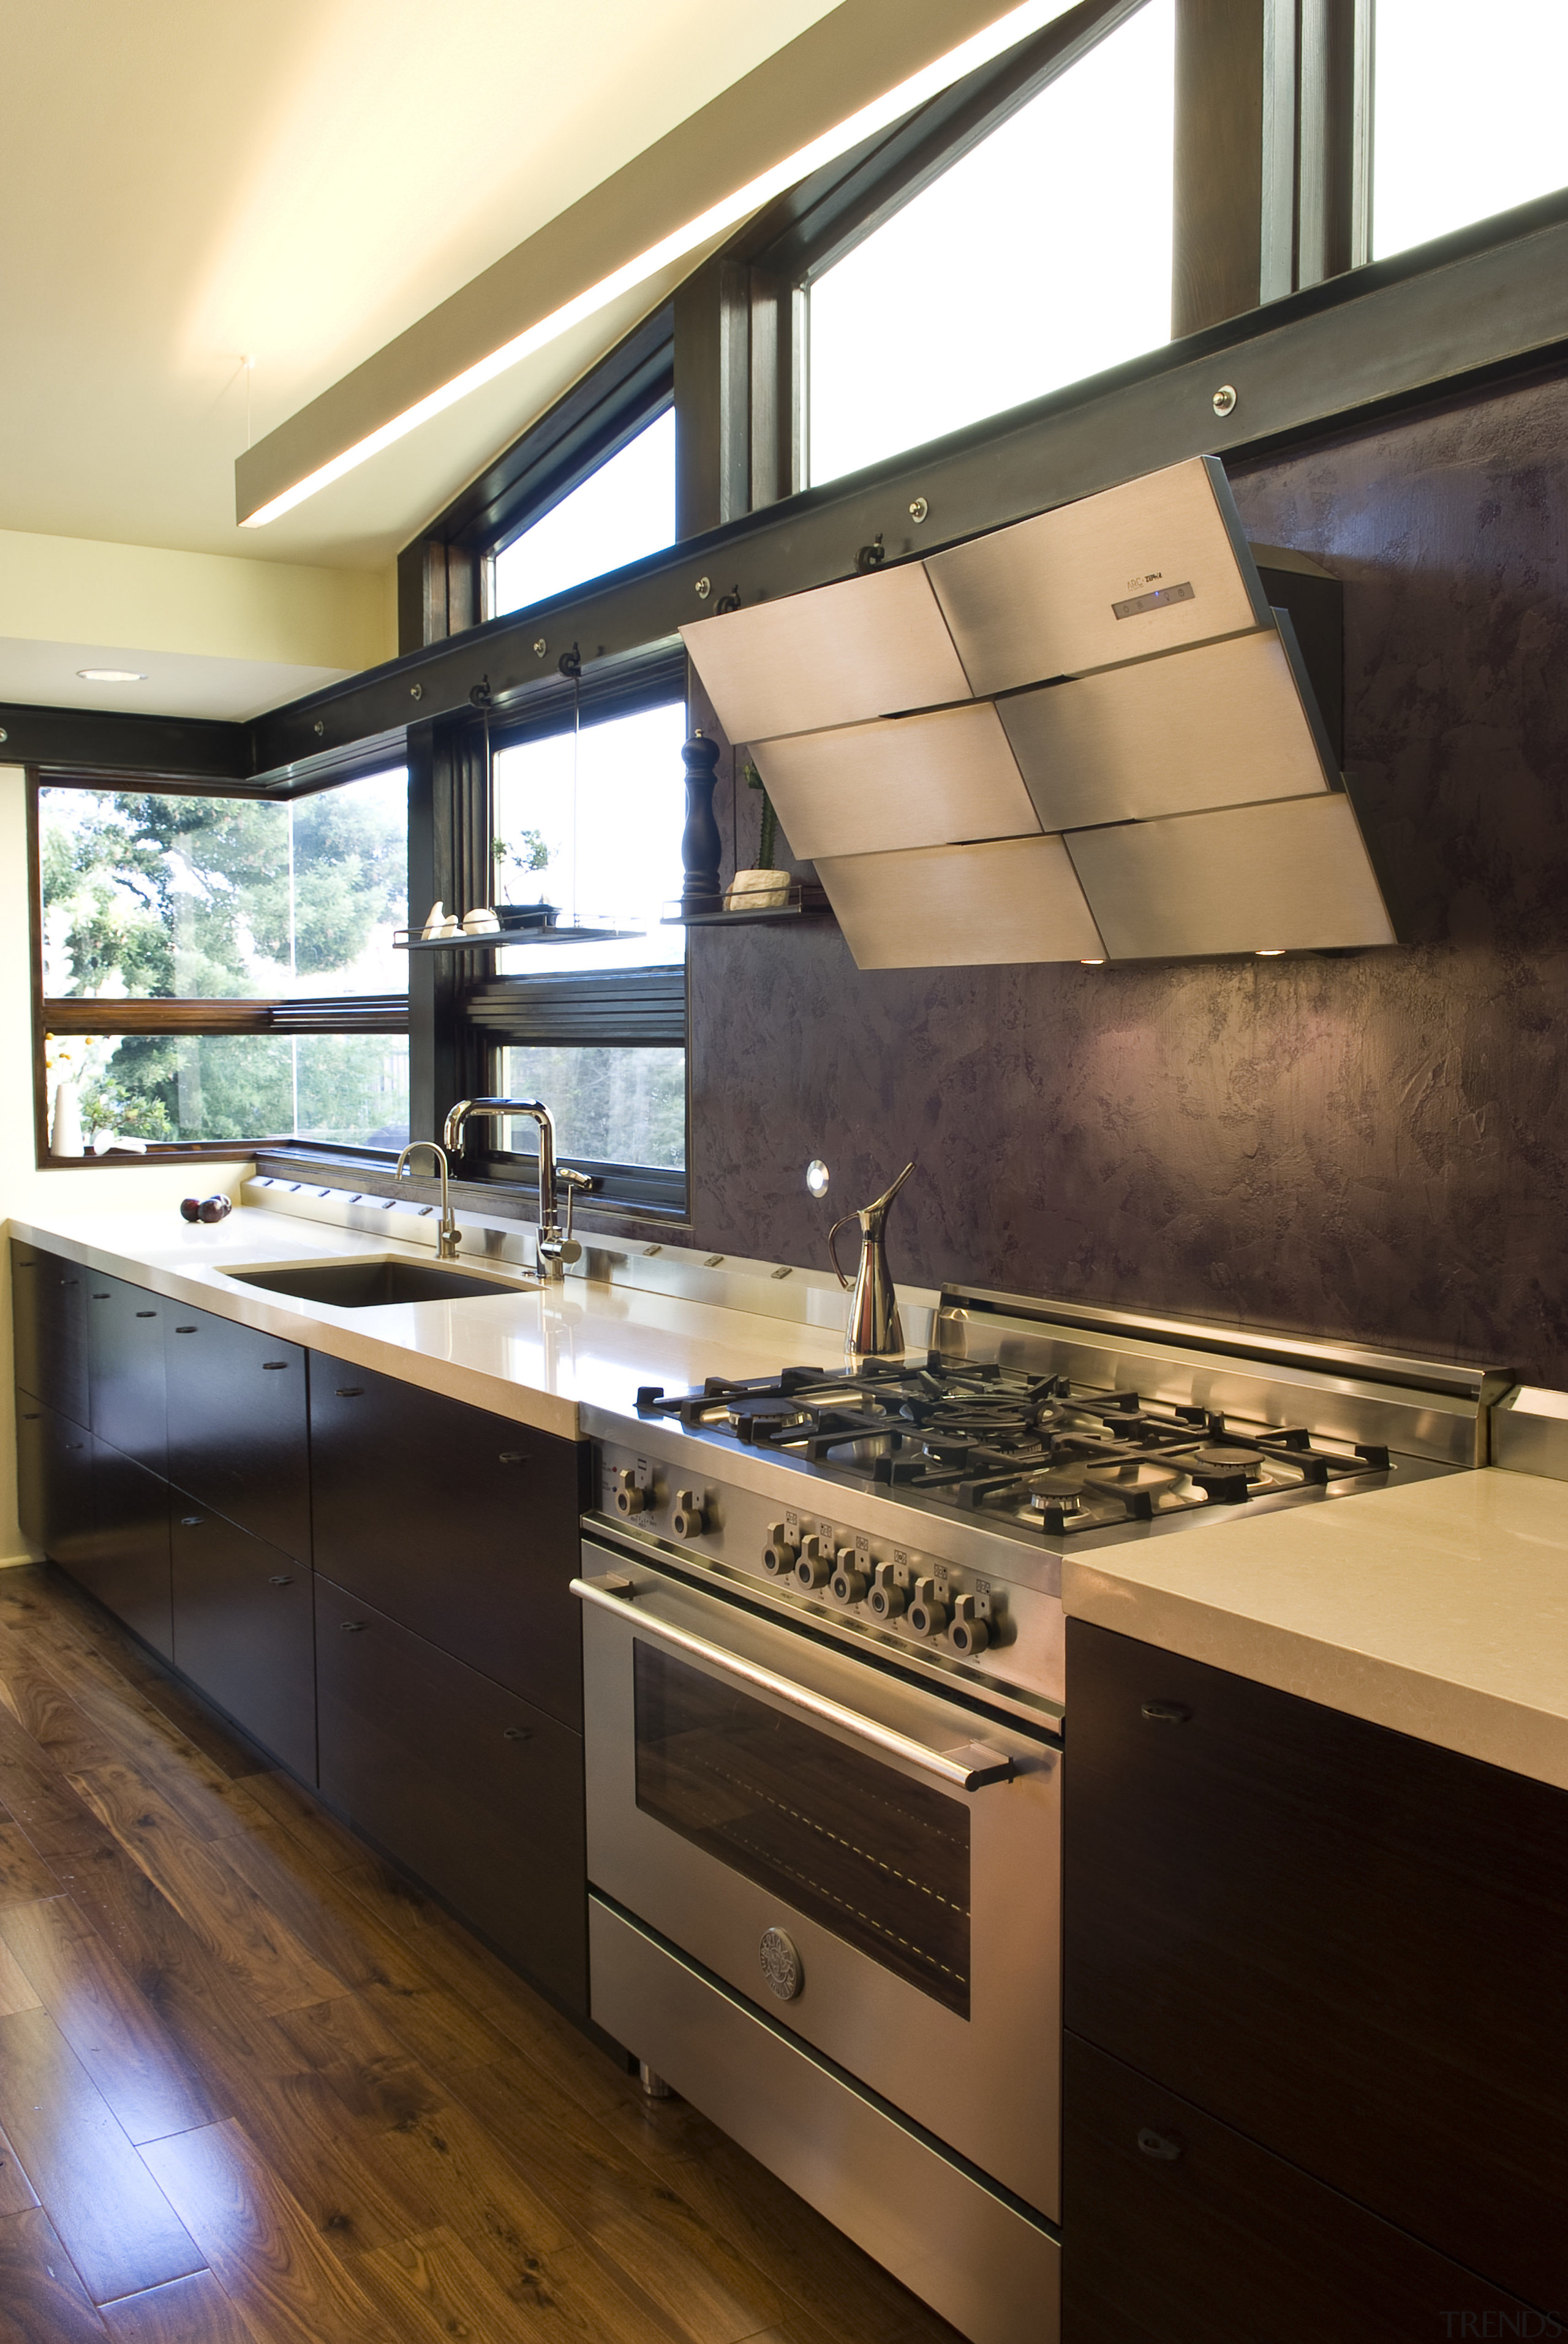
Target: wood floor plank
(366,2064)
(43,1709)
(258,2243)
(217,1903)
(434,2287)
(92,1639)
(305,1819)
(105,2019)
(17,2192)
(615,2202)
(37,1797)
(42,2298)
(140,1736)
(17,1991)
(194,2310)
(116,2224)
(24,1875)
(171,1798)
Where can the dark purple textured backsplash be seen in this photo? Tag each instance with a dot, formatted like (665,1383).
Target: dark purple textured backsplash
(1370,1147)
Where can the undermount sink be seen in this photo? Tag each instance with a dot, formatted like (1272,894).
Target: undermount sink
(371,1284)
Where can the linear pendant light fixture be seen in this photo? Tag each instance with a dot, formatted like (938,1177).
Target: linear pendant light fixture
(703,228)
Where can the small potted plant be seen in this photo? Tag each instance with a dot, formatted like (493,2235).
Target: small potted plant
(528,853)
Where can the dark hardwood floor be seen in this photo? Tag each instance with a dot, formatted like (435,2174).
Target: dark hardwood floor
(254,2089)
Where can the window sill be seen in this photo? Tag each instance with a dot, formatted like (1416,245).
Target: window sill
(198,1152)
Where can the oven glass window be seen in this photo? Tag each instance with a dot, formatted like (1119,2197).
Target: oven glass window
(882,1862)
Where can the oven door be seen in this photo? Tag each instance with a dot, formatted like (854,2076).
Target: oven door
(877,1866)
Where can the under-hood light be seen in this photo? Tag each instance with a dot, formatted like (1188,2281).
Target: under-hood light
(979,50)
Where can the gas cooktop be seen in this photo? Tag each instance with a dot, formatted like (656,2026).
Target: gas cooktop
(1044,1451)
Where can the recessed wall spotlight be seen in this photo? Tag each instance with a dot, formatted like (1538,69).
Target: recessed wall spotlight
(111,675)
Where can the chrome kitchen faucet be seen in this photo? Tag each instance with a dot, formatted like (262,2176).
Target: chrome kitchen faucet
(555,1246)
(449,1238)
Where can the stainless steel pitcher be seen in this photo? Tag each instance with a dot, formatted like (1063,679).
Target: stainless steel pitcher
(873,1331)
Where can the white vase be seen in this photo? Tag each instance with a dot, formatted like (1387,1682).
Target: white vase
(66,1131)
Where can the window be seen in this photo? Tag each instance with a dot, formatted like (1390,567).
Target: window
(1468,115)
(1041,257)
(588,819)
(218,970)
(620,512)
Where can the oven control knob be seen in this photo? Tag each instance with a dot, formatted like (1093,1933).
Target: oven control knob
(847,1584)
(687,1521)
(629,1498)
(812,1569)
(927,1616)
(778,1554)
(887,1597)
(967,1633)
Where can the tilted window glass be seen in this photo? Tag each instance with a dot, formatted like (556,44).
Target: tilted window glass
(1042,257)
(1468,115)
(620,512)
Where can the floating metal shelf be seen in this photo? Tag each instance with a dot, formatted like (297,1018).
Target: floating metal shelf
(804,896)
(513,933)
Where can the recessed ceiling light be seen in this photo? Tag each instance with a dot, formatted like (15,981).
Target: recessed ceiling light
(1271,952)
(111,675)
(1092,964)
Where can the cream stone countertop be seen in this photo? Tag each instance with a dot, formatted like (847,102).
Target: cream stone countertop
(537,1355)
(1439,1610)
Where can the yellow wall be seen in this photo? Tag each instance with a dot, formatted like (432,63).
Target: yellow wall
(139,1189)
(74,589)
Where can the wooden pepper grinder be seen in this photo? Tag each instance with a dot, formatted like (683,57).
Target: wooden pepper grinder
(699,841)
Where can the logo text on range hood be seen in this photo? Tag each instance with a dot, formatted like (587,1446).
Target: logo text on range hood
(945,722)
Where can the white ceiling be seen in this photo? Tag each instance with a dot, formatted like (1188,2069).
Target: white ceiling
(177,683)
(186,182)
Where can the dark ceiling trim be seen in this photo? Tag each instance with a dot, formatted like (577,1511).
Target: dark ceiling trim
(91,743)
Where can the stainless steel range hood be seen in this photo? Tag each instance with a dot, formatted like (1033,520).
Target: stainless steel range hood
(1108,674)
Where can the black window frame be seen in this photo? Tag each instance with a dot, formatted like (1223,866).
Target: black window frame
(94,1015)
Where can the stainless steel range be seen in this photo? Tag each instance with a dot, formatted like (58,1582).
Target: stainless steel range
(823,1652)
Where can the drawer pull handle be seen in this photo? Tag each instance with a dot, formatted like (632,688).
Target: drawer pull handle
(101,1297)
(1159,2143)
(268,1365)
(31,1415)
(191,1522)
(353,1627)
(284,1581)
(146,1314)
(185,1331)
(76,1444)
(512,1457)
(1167,1713)
(519,1732)
(350,1391)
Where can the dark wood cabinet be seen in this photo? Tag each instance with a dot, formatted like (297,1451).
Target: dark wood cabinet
(125,1369)
(54,1480)
(125,1558)
(459,1524)
(48,1304)
(238,1424)
(476,1791)
(1344,1944)
(244,1629)
(1178,2230)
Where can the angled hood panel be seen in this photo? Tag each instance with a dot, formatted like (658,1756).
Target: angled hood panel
(919,780)
(1015,899)
(866,647)
(1155,563)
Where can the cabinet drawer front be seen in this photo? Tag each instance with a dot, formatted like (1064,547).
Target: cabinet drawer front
(459,1524)
(54,1480)
(477,1793)
(239,1424)
(48,1306)
(1177,2230)
(1344,1943)
(124,1560)
(125,1369)
(244,1629)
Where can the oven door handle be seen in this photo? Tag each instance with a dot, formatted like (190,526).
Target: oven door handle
(970,1768)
